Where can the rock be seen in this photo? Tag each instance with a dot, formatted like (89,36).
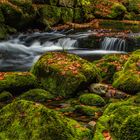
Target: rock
(18,14)
(128,80)
(67,14)
(87,110)
(99,89)
(17,82)
(28,120)
(91,125)
(117,11)
(50,15)
(114,118)
(67,3)
(108,91)
(37,95)
(92,99)
(110,64)
(130,128)
(62,73)
(5,96)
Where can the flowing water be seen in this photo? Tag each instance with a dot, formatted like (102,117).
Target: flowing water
(112,43)
(18,53)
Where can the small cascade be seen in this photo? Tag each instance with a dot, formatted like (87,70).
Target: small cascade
(18,53)
(112,43)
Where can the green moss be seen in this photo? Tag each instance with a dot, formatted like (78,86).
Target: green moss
(11,14)
(27,120)
(117,11)
(2,19)
(5,96)
(67,3)
(113,118)
(110,64)
(78,15)
(132,5)
(67,14)
(130,128)
(62,74)
(17,82)
(92,100)
(128,79)
(37,95)
(86,110)
(50,15)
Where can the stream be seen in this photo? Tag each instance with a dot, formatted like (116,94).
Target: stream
(20,52)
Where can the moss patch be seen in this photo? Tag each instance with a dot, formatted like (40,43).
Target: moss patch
(27,120)
(92,100)
(17,82)
(62,73)
(37,95)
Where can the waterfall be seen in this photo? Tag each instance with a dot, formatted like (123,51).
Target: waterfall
(112,43)
(19,52)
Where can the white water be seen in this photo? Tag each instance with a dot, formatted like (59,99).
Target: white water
(112,43)
(20,52)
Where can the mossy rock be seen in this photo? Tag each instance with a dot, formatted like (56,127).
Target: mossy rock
(28,120)
(5,96)
(11,14)
(92,100)
(49,15)
(132,6)
(37,95)
(2,19)
(114,117)
(67,3)
(67,14)
(87,110)
(78,15)
(117,11)
(62,73)
(130,128)
(128,79)
(18,14)
(17,82)
(110,64)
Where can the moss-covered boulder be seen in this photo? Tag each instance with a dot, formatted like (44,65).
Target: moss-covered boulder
(132,6)
(62,73)
(37,95)
(28,120)
(49,15)
(118,11)
(114,120)
(92,100)
(67,14)
(128,79)
(130,128)
(110,64)
(18,14)
(5,96)
(87,110)
(17,82)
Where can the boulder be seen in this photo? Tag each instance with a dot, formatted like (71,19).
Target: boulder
(17,82)
(28,120)
(107,91)
(87,110)
(110,64)
(92,99)
(128,79)
(115,119)
(62,73)
(36,95)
